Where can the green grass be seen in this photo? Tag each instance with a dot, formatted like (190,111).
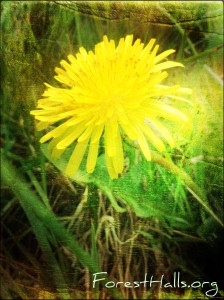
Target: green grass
(158,217)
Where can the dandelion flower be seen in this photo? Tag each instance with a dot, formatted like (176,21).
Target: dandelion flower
(106,93)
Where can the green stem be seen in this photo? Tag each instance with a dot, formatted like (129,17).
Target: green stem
(201,54)
(187,181)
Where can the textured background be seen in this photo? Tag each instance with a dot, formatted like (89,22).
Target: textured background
(56,231)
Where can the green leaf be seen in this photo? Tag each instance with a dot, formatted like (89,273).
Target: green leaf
(146,195)
(45,224)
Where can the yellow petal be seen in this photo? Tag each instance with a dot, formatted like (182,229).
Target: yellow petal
(53,133)
(56,153)
(72,134)
(147,49)
(86,134)
(109,141)
(130,130)
(41,112)
(42,125)
(168,112)
(163,55)
(110,167)
(118,158)
(157,143)
(54,142)
(153,53)
(48,119)
(71,58)
(92,157)
(165,133)
(166,65)
(97,132)
(76,158)
(144,145)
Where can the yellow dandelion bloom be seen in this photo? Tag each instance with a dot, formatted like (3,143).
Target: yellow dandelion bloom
(112,91)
